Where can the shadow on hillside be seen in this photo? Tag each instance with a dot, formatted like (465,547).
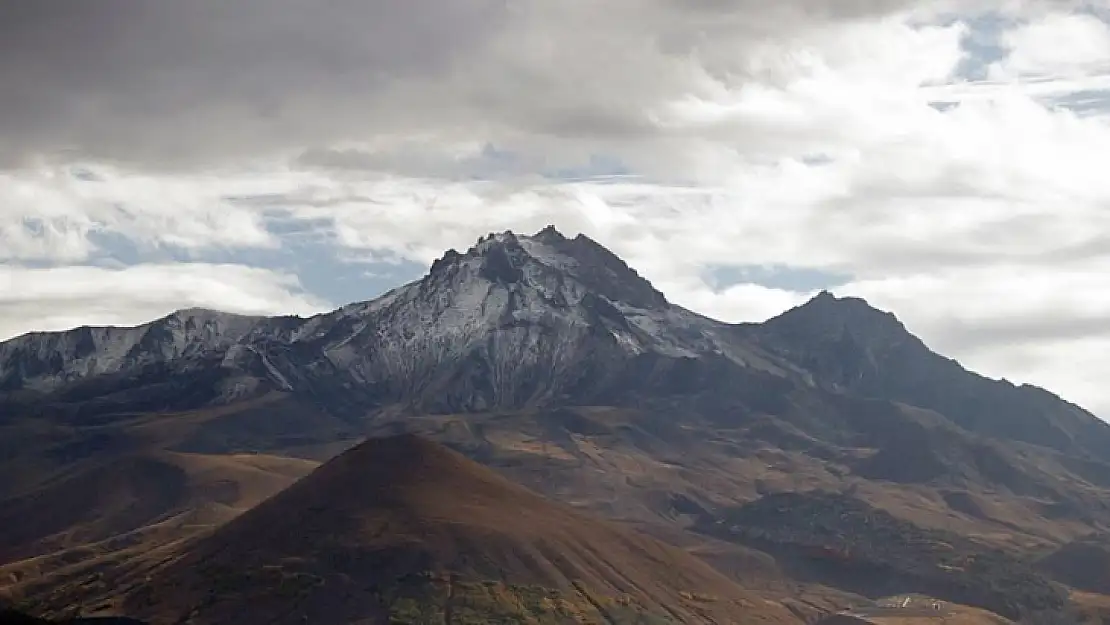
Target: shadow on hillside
(11,617)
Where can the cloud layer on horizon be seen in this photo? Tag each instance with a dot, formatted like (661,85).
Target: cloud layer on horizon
(942,159)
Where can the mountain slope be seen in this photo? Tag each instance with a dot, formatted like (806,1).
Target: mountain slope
(853,347)
(869,551)
(1082,564)
(46,360)
(404,515)
(136,491)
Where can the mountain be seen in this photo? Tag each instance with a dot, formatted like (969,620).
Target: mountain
(852,347)
(521,321)
(46,360)
(514,321)
(549,360)
(401,529)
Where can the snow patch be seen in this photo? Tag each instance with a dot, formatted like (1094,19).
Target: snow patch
(547,255)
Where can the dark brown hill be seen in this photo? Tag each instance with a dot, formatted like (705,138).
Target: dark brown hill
(1082,564)
(11,617)
(402,525)
(98,501)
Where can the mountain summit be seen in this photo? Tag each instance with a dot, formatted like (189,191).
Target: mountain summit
(509,258)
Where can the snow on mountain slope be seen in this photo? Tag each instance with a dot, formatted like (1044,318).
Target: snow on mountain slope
(505,283)
(44,360)
(513,319)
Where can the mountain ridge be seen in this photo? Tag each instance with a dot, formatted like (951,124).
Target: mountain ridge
(859,349)
(210,320)
(509,298)
(536,301)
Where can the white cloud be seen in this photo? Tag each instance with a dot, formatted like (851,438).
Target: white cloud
(48,213)
(1056,45)
(29,237)
(740,302)
(66,297)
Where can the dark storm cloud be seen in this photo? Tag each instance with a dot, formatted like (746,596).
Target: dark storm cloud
(188,81)
(135,79)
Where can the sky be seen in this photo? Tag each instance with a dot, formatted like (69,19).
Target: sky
(944,159)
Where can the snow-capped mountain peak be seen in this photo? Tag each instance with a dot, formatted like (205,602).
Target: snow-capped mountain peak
(509,257)
(525,314)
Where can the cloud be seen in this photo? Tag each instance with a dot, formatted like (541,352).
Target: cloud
(1057,45)
(63,298)
(53,213)
(179,82)
(188,83)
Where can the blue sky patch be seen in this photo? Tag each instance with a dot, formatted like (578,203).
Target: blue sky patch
(783,277)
